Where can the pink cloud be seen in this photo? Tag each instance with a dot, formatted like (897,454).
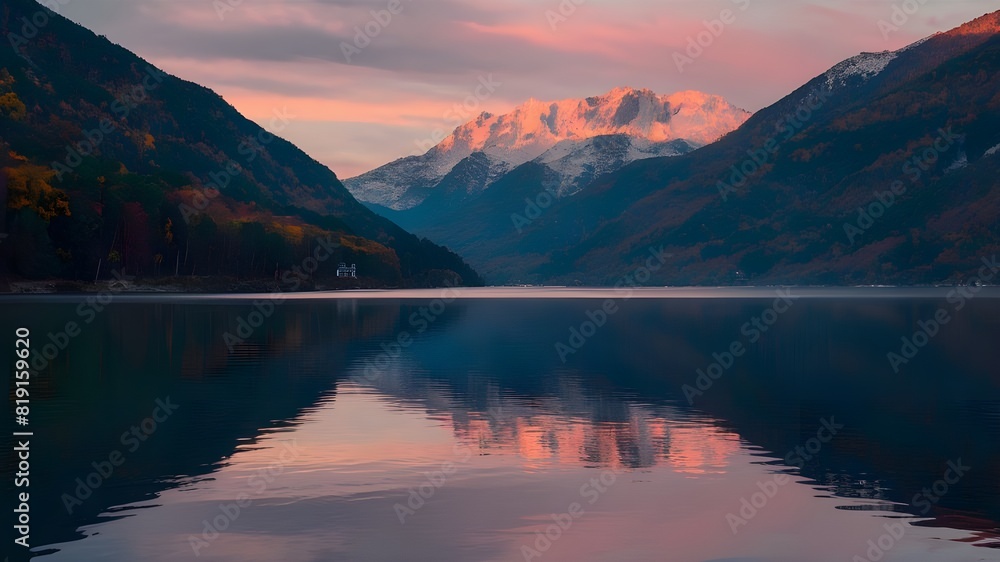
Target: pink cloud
(267,54)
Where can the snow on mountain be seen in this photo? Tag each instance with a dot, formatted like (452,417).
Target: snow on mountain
(917,43)
(403,183)
(577,162)
(536,126)
(532,129)
(867,65)
(864,66)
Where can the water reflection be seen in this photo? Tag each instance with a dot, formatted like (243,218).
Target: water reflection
(543,436)
(485,379)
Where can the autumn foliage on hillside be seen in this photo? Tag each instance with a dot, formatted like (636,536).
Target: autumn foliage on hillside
(103,160)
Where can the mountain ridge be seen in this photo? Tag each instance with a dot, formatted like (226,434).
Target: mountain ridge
(786,222)
(534,127)
(120,205)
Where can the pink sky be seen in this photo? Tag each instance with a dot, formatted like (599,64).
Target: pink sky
(354,115)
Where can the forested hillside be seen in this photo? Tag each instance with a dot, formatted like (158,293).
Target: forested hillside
(108,163)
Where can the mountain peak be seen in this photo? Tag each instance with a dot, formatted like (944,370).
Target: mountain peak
(867,65)
(622,91)
(988,24)
(535,126)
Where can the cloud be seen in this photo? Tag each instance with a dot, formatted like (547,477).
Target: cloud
(266,53)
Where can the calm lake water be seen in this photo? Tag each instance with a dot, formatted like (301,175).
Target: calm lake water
(509,425)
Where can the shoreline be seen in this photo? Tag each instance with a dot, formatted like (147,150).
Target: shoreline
(145,293)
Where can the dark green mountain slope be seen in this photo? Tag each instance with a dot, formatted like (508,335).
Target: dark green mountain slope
(106,160)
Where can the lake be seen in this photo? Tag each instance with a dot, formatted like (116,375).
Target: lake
(689,425)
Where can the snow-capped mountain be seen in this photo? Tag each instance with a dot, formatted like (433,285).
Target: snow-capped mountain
(863,66)
(564,135)
(796,219)
(577,162)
